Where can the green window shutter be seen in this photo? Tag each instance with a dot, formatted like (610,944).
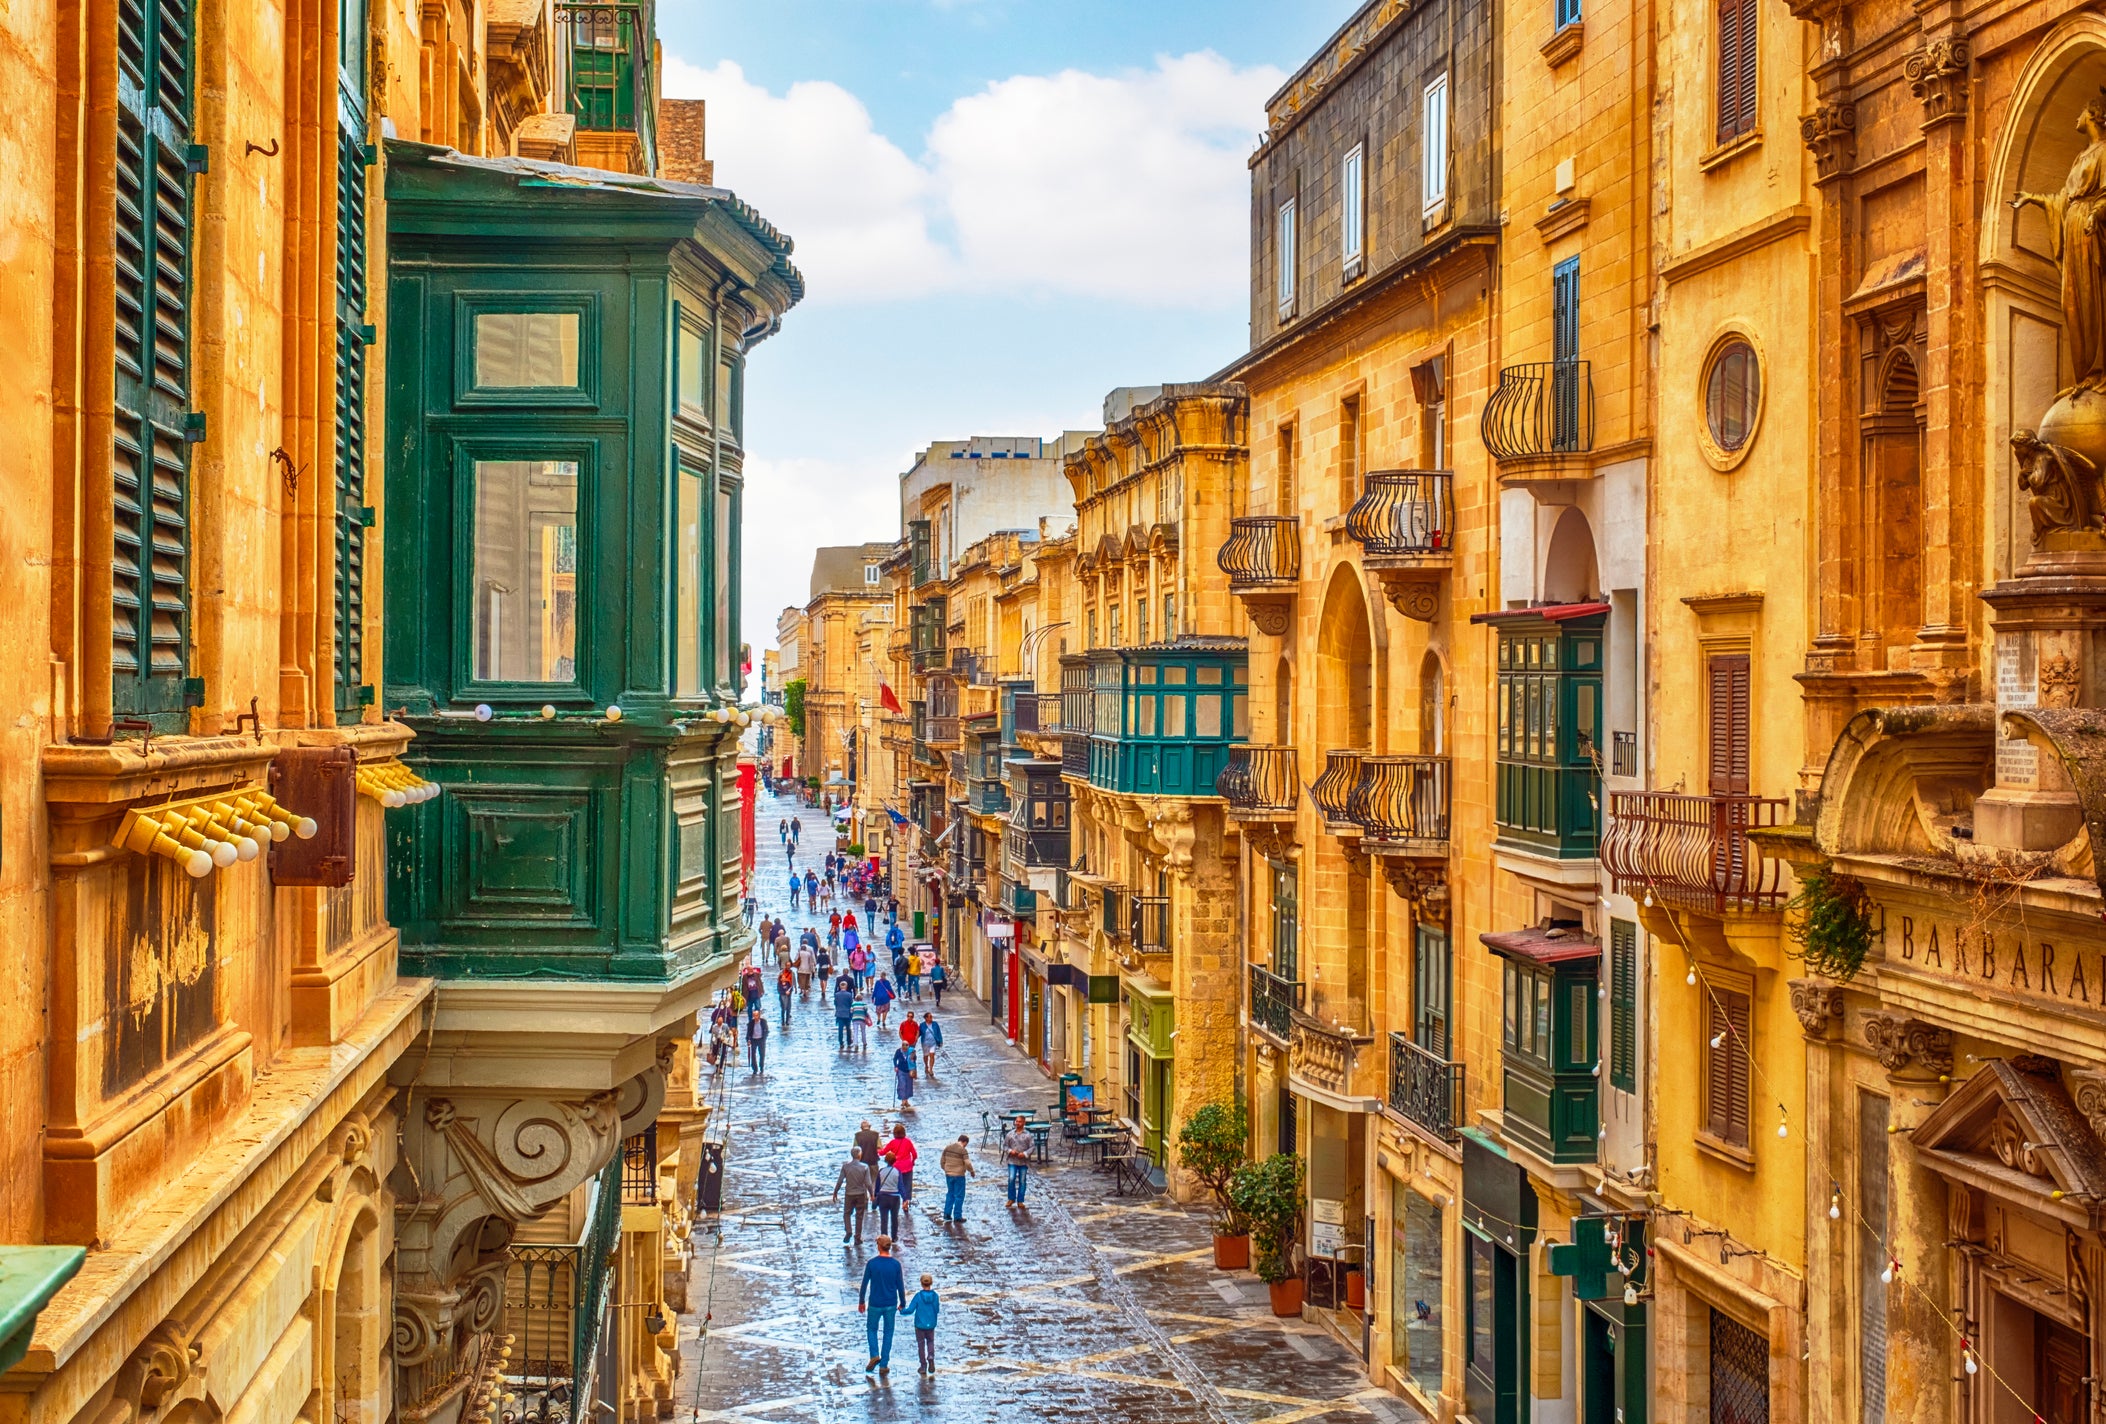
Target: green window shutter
(350,410)
(150,560)
(1623,1006)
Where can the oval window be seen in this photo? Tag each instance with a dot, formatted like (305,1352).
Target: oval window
(1732,392)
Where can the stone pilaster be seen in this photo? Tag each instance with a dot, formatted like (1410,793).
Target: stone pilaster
(1920,1358)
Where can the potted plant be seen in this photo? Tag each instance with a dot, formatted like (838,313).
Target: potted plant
(1210,1147)
(1269,1195)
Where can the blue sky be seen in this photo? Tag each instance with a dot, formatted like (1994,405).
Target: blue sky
(1004,208)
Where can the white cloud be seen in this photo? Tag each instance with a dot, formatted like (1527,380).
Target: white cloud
(1130,186)
(796,505)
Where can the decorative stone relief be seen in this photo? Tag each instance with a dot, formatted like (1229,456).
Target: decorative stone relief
(1422,884)
(1170,827)
(1830,132)
(2007,1139)
(2088,1091)
(1937,75)
(2060,680)
(1819,1006)
(1901,1043)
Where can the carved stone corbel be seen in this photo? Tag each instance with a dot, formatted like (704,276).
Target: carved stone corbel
(1422,884)
(1937,75)
(1830,132)
(1272,840)
(2087,1087)
(1819,1006)
(1170,828)
(1901,1043)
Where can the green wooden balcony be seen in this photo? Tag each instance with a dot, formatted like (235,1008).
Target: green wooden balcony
(1547,738)
(1550,1041)
(1163,716)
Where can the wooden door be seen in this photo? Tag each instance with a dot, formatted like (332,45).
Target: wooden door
(2059,1355)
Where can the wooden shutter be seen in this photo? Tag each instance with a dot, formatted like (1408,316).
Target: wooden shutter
(150,560)
(1728,698)
(351,514)
(1738,46)
(1726,1018)
(1623,1005)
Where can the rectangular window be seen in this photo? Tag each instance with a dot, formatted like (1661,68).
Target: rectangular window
(1169,615)
(526,570)
(694,372)
(1429,383)
(1727,696)
(350,412)
(1283,258)
(150,561)
(1623,1006)
(1286,943)
(1351,451)
(1483,1319)
(1416,1253)
(1140,620)
(1727,1022)
(1285,477)
(1739,42)
(1433,145)
(687,652)
(526,350)
(1565,402)
(1115,610)
(1740,1373)
(871,573)
(1568,13)
(1352,215)
(1432,981)
(1872,1258)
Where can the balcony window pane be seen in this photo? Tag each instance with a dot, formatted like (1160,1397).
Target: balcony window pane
(1060,815)
(1174,673)
(1209,718)
(694,384)
(1513,1013)
(1145,673)
(1209,675)
(687,626)
(1144,720)
(1579,1004)
(1173,716)
(526,350)
(1539,996)
(1242,724)
(526,570)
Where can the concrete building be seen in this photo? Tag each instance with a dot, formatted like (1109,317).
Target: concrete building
(846,588)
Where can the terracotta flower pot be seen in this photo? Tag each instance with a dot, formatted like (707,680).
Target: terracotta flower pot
(1355,1290)
(1287,1296)
(1232,1253)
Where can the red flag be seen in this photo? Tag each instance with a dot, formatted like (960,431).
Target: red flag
(887,699)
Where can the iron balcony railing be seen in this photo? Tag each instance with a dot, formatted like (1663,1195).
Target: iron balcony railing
(1263,551)
(1114,913)
(1401,798)
(612,86)
(1405,512)
(1273,1000)
(1694,851)
(1260,780)
(1150,921)
(640,1168)
(1544,408)
(1333,789)
(1426,1089)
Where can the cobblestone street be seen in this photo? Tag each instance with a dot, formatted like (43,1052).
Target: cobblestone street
(1082,1305)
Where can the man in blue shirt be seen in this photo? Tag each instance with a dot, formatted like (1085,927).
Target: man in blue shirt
(879,1298)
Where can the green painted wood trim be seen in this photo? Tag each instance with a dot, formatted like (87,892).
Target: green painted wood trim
(29,1277)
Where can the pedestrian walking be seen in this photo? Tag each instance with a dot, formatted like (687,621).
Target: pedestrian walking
(796,887)
(859,1020)
(867,1141)
(923,1309)
(878,1299)
(859,964)
(938,977)
(844,1010)
(1016,1150)
(931,1037)
(909,1032)
(811,891)
(855,1176)
(756,1041)
(807,964)
(957,1164)
(903,1076)
(782,829)
(887,1199)
(900,1153)
(784,982)
(895,938)
(823,963)
(881,997)
(721,1041)
(914,974)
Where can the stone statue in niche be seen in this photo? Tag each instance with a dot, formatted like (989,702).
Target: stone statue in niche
(2061,485)
(2078,243)
(2059,462)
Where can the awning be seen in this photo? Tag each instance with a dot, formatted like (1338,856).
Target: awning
(1554,612)
(1542,946)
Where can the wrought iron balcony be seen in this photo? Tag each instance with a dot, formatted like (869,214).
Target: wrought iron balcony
(1405,514)
(1333,789)
(640,1168)
(1263,551)
(1401,803)
(1425,1088)
(1544,408)
(1150,923)
(1260,783)
(612,86)
(1273,1001)
(1044,714)
(1694,851)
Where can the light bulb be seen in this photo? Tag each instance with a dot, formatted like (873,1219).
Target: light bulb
(1970,1362)
(1783,1131)
(1602,992)
(1717,1039)
(1835,1211)
(280,831)
(614,713)
(224,854)
(1630,1295)
(1886,1277)
(197,865)
(1648,899)
(391,799)
(245,849)
(482,712)
(1690,980)
(306,829)
(548,711)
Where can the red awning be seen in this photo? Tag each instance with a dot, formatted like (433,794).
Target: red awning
(1537,946)
(1553,612)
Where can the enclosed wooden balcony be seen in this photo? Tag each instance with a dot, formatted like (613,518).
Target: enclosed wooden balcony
(1540,420)
(1333,790)
(1405,523)
(1400,804)
(1260,783)
(1694,852)
(1425,1089)
(1263,559)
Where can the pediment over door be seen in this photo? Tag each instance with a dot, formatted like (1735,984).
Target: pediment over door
(2013,1131)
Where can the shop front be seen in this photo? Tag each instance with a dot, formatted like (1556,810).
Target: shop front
(1499,1232)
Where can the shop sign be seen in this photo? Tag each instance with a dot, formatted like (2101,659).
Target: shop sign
(2010,961)
(1326,1227)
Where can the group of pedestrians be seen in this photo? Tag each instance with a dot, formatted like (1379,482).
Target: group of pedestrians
(889,1186)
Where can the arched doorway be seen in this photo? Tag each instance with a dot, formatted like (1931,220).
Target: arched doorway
(1345,718)
(1568,566)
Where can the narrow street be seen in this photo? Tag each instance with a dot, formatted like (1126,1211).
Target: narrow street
(1081,1306)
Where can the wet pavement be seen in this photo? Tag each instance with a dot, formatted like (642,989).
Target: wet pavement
(1082,1305)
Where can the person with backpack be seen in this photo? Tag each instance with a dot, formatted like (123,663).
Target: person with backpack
(887,1199)
(923,1309)
(939,976)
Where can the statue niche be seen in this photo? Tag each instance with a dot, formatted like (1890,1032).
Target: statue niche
(2059,462)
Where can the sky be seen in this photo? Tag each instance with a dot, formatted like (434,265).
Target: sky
(1003,209)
